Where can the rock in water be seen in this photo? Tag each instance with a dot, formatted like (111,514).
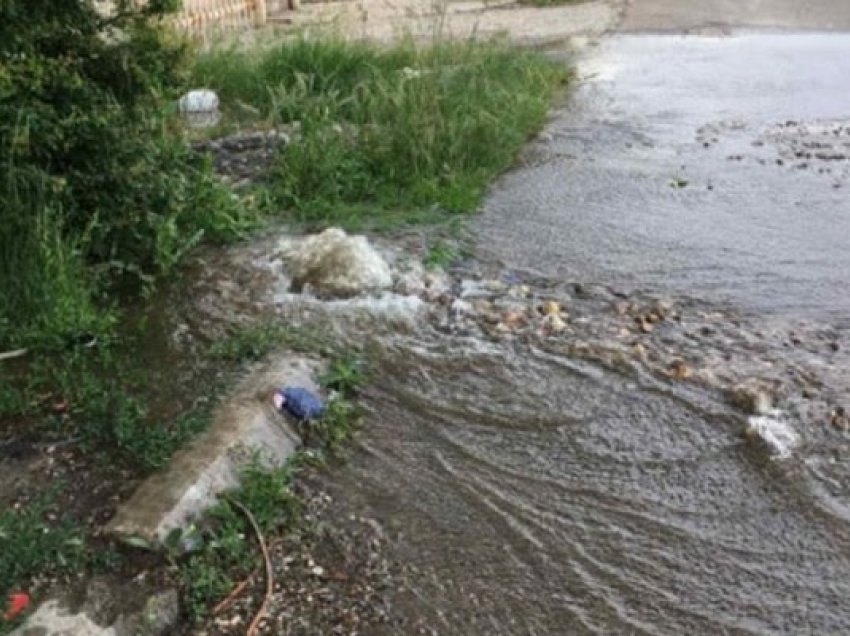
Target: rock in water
(335,264)
(751,398)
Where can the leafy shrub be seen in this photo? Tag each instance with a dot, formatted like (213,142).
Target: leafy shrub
(92,173)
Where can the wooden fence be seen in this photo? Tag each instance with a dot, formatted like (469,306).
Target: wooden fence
(198,17)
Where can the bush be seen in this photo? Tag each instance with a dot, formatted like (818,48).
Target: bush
(94,180)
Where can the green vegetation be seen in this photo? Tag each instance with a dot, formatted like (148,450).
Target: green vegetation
(36,538)
(252,342)
(439,254)
(344,375)
(95,399)
(387,134)
(96,184)
(101,198)
(226,553)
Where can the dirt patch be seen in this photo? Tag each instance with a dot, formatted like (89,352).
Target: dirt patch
(329,579)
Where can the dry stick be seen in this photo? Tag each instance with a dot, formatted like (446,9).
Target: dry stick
(239,587)
(227,600)
(17,353)
(252,628)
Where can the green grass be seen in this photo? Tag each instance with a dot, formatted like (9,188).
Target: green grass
(104,407)
(37,539)
(345,374)
(394,134)
(254,341)
(440,254)
(227,552)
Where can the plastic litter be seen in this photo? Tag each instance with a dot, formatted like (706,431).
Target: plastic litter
(18,602)
(299,403)
(199,101)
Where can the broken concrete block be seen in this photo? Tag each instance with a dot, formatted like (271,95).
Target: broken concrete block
(243,426)
(54,619)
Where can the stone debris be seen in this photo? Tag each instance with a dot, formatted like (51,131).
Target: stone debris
(550,308)
(554,323)
(679,370)
(751,398)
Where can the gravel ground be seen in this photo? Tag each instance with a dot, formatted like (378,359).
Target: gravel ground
(328,579)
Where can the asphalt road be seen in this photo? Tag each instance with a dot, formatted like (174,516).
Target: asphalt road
(713,165)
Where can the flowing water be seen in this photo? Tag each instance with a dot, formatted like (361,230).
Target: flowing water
(535,494)
(536,491)
(534,482)
(542,483)
(596,480)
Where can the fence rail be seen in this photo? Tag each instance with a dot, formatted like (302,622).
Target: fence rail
(198,16)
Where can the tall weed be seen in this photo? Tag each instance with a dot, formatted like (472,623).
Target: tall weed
(389,131)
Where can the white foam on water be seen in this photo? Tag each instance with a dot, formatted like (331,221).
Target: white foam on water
(774,432)
(335,264)
(386,308)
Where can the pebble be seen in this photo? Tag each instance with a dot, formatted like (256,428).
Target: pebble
(520,291)
(679,370)
(554,323)
(494,286)
(551,308)
(839,419)
(461,307)
(514,318)
(622,307)
(645,327)
(751,398)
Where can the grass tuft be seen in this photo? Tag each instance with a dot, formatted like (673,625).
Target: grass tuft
(37,540)
(388,133)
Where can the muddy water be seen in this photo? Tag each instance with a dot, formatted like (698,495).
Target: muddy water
(564,483)
(533,482)
(535,494)
(718,167)
(558,484)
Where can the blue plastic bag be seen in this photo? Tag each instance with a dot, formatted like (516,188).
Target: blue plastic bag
(299,403)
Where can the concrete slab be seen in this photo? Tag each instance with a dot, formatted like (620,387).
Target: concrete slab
(244,425)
